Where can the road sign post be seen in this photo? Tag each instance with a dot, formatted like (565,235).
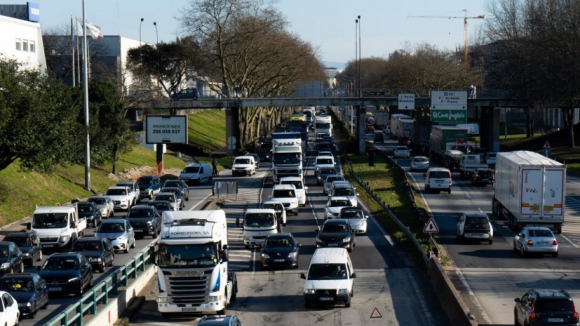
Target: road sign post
(430,228)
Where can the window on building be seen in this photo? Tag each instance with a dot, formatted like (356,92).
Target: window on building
(25,45)
(18,44)
(32,46)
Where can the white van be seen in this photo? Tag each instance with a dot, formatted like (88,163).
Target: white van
(196,173)
(330,278)
(286,194)
(245,165)
(300,188)
(258,224)
(437,179)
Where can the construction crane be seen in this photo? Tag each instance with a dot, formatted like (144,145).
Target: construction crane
(465,18)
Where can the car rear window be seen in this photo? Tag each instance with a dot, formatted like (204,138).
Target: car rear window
(475,220)
(541,233)
(439,174)
(554,305)
(421,159)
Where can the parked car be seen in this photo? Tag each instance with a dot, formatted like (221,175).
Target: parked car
(179,184)
(402,152)
(11,258)
(185,94)
(356,217)
(67,273)
(474,226)
(482,177)
(145,220)
(170,197)
(545,307)
(336,233)
(29,244)
(120,232)
(28,289)
(419,163)
(9,312)
(98,251)
(104,204)
(91,212)
(149,186)
(279,250)
(536,239)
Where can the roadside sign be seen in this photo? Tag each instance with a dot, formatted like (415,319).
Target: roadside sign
(449,116)
(406,102)
(161,129)
(450,100)
(376,313)
(431,227)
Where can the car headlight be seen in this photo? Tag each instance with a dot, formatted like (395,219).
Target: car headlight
(163,300)
(103,211)
(64,238)
(149,223)
(342,291)
(265,256)
(25,254)
(214,298)
(5,265)
(309,291)
(74,279)
(292,255)
(347,239)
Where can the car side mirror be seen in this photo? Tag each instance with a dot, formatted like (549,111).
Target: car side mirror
(224,255)
(28,226)
(353,275)
(366,216)
(303,276)
(305,188)
(517,300)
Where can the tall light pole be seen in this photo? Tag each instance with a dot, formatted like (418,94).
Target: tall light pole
(359,59)
(86,101)
(355,50)
(141,23)
(156,33)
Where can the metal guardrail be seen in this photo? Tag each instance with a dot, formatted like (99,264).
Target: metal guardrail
(99,295)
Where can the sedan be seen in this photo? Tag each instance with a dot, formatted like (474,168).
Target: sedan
(336,233)
(334,205)
(279,250)
(11,258)
(170,197)
(29,243)
(402,152)
(67,273)
(419,163)
(178,194)
(120,232)
(9,312)
(98,251)
(356,217)
(179,184)
(28,289)
(536,240)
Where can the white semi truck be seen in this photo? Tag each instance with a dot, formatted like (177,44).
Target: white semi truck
(529,190)
(323,125)
(192,263)
(287,162)
(58,227)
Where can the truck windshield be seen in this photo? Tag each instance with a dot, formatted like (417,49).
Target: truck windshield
(259,220)
(327,272)
(50,221)
(192,255)
(191,169)
(287,158)
(320,125)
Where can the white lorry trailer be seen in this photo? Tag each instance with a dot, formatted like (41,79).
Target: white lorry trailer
(192,263)
(529,190)
(58,227)
(323,125)
(287,162)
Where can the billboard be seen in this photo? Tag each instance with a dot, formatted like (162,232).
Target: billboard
(448,116)
(164,129)
(33,10)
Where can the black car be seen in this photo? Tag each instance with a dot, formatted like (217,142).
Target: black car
(545,307)
(98,251)
(185,94)
(218,320)
(145,220)
(279,250)
(161,205)
(264,153)
(11,258)
(91,212)
(179,184)
(29,243)
(29,290)
(482,177)
(336,233)
(67,273)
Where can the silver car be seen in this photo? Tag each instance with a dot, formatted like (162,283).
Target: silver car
(119,232)
(104,204)
(419,163)
(330,179)
(170,197)
(536,240)
(344,189)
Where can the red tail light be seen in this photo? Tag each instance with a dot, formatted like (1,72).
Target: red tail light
(533,314)
(576,316)
(530,243)
(554,243)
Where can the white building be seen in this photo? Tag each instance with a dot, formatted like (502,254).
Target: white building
(21,40)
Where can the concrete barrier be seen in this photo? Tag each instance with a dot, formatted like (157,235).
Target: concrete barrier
(113,310)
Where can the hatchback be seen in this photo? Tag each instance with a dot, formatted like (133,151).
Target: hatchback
(402,152)
(419,163)
(29,244)
(29,289)
(120,232)
(536,239)
(545,307)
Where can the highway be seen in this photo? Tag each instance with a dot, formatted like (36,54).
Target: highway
(386,279)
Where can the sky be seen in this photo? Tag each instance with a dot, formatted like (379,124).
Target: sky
(329,25)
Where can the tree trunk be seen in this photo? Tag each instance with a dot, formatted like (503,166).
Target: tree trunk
(529,123)
(115,158)
(569,122)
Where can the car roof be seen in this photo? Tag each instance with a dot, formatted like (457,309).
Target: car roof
(338,198)
(113,220)
(536,228)
(475,214)
(551,293)
(329,255)
(142,206)
(260,210)
(421,157)
(438,169)
(166,193)
(18,275)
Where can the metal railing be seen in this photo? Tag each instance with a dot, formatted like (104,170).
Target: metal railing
(98,297)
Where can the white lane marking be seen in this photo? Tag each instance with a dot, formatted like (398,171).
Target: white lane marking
(473,298)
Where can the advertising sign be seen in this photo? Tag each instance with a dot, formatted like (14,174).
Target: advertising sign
(451,100)
(448,116)
(406,102)
(33,10)
(161,129)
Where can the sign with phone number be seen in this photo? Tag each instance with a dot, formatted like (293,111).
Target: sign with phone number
(166,129)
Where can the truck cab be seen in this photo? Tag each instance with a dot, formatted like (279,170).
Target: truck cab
(57,226)
(258,224)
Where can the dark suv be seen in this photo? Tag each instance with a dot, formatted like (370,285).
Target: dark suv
(482,177)
(91,212)
(145,220)
(545,307)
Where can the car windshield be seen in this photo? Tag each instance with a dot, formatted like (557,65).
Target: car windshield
(173,183)
(277,242)
(17,284)
(165,197)
(49,221)
(324,161)
(160,206)
(111,228)
(327,272)
(351,213)
(259,219)
(116,192)
(284,193)
(287,158)
(60,264)
(84,208)
(191,255)
(144,181)
(297,184)
(439,174)
(553,305)
(540,233)
(140,212)
(475,220)
(191,169)
(420,160)
(272,206)
(19,241)
(327,171)
(97,201)
(333,227)
(343,192)
(87,246)
(339,203)
(176,191)
(242,161)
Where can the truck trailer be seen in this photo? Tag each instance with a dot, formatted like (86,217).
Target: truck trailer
(529,190)
(445,138)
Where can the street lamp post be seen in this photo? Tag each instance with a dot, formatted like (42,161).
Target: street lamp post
(355,50)
(156,33)
(141,23)
(359,58)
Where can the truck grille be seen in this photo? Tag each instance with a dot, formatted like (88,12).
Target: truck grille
(188,289)
(49,239)
(325,293)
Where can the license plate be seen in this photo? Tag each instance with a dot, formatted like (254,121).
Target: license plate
(555,320)
(326,299)
(279,260)
(139,231)
(48,245)
(189,309)
(55,289)
(477,235)
(333,244)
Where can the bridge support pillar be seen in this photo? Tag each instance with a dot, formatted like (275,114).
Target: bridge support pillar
(489,128)
(360,130)
(232,131)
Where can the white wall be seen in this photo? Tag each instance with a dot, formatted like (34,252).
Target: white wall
(11,30)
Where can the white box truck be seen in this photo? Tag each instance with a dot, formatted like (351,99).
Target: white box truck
(287,162)
(529,190)
(192,263)
(323,125)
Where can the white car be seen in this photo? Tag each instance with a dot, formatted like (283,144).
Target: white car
(300,188)
(419,163)
(9,312)
(344,189)
(104,204)
(119,231)
(356,217)
(286,194)
(329,180)
(334,205)
(121,197)
(402,152)
(244,165)
(536,239)
(474,226)
(324,160)
(278,207)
